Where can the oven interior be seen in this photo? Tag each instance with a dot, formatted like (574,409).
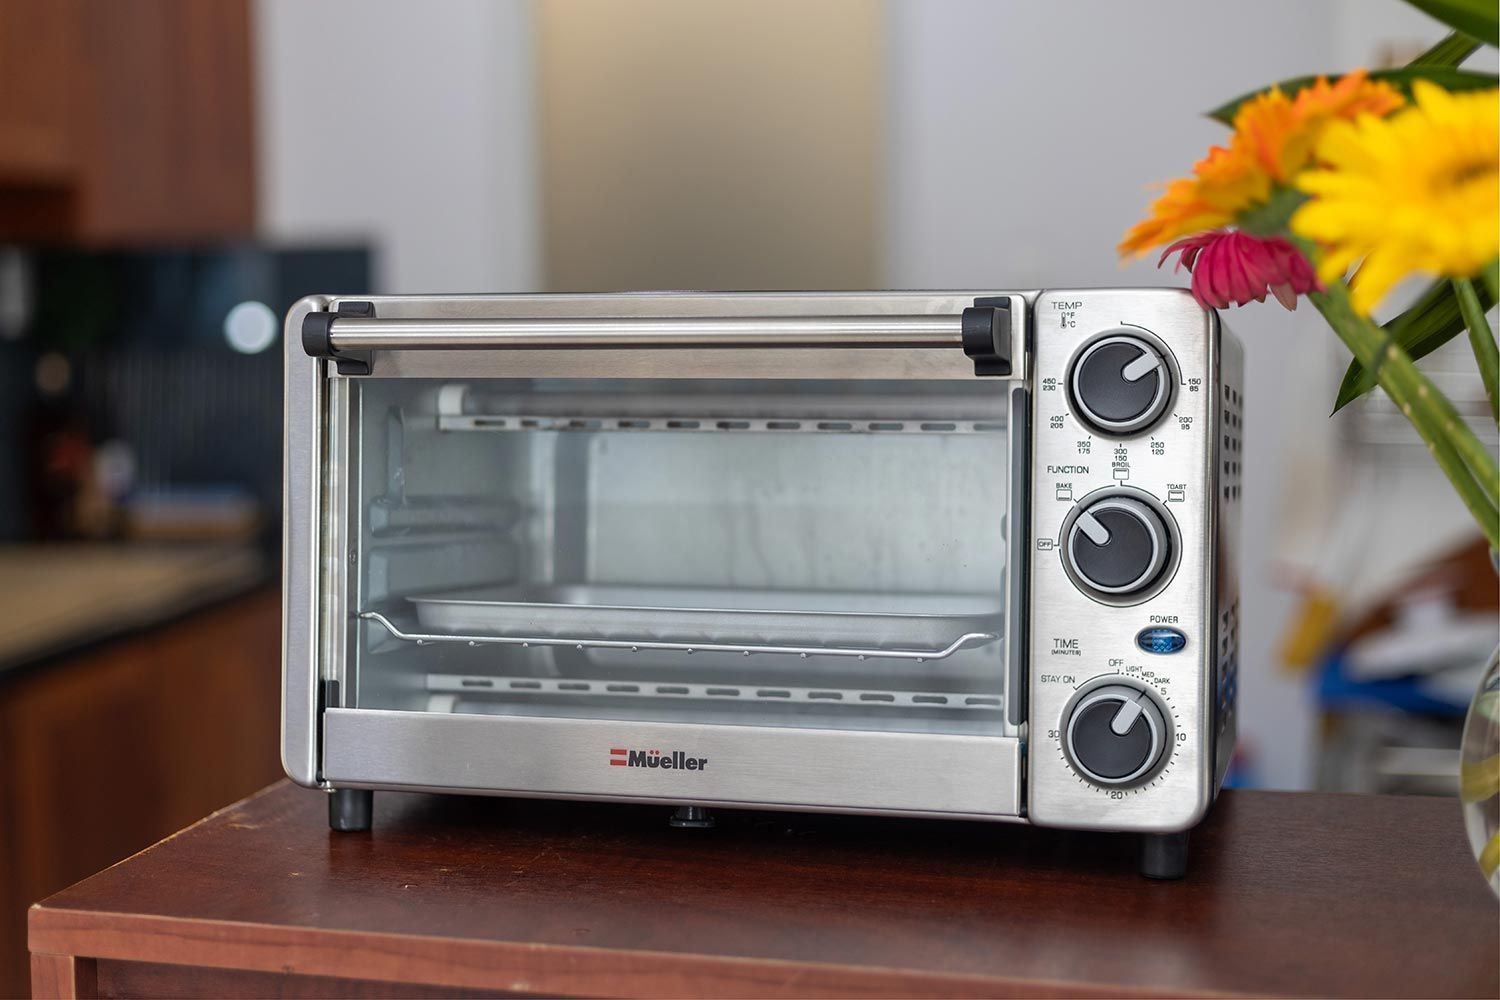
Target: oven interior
(805,553)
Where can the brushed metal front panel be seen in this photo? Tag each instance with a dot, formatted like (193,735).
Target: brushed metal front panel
(1075,639)
(747,765)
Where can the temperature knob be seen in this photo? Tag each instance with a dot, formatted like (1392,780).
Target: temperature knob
(1116,545)
(1120,384)
(1116,734)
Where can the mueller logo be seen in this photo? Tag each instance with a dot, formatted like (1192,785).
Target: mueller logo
(672,760)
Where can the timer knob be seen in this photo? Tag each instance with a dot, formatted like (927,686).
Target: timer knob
(1116,545)
(1116,734)
(1120,384)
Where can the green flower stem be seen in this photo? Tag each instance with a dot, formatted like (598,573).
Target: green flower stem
(1428,403)
(1469,467)
(1482,340)
(1272,217)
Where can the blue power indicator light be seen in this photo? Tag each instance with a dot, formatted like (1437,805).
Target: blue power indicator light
(1160,640)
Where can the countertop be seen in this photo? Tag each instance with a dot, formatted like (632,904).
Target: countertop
(1287,894)
(54,598)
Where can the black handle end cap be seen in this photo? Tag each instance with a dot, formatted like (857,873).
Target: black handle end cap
(987,338)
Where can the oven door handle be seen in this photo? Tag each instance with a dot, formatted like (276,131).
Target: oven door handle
(353,332)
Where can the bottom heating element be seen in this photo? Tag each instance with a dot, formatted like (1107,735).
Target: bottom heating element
(730,704)
(451,684)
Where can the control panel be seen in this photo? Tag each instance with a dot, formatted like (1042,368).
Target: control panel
(1122,570)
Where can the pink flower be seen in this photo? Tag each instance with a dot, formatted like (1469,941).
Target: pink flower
(1231,266)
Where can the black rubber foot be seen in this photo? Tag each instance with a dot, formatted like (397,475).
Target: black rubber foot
(692,818)
(350,810)
(1164,855)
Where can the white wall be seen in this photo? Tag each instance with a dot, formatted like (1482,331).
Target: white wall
(1024,136)
(1022,141)
(409,124)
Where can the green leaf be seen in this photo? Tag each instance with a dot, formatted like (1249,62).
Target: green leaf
(1474,17)
(1491,278)
(1401,79)
(1452,50)
(1430,323)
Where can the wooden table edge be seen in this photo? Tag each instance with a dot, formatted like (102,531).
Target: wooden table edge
(68,942)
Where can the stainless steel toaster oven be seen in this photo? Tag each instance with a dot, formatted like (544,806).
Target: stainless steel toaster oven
(950,554)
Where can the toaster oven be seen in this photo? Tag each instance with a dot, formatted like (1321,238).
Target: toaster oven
(944,554)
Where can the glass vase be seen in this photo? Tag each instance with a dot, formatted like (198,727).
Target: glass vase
(1479,773)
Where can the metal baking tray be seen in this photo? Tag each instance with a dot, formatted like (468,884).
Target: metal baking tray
(750,616)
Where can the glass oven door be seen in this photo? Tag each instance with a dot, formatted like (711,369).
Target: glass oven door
(810,554)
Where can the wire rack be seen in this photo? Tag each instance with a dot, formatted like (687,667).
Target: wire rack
(635,645)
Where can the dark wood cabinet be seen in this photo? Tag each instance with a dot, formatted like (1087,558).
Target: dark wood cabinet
(126,122)
(105,752)
(35,138)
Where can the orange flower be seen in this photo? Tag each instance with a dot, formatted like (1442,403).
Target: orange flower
(1268,130)
(1223,184)
(1273,141)
(1352,96)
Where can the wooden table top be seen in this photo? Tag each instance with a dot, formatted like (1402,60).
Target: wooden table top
(1287,893)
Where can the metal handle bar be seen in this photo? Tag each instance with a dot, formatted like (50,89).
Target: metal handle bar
(366,334)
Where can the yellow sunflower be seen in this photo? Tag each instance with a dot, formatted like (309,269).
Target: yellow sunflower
(1418,192)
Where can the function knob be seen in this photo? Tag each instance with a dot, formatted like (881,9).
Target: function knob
(1116,734)
(1120,384)
(1116,545)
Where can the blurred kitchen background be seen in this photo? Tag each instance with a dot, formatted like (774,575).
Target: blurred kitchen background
(175,173)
